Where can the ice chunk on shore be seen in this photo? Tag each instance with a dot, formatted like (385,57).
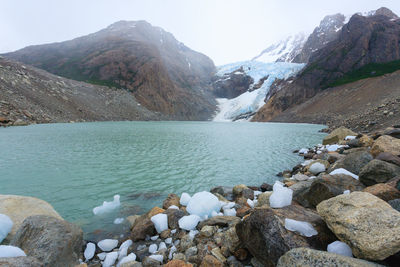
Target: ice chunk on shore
(118,220)
(123,249)
(154,238)
(303,228)
(188,222)
(102,256)
(11,251)
(340,248)
(153,248)
(89,251)
(317,168)
(281,196)
(229,212)
(173,207)
(346,192)
(345,172)
(110,259)
(6,225)
(160,222)
(107,206)
(162,246)
(171,252)
(107,244)
(333,148)
(203,204)
(185,198)
(303,151)
(168,240)
(350,137)
(126,244)
(193,233)
(250,203)
(130,257)
(157,257)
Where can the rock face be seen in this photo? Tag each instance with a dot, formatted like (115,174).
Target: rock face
(378,171)
(328,186)
(369,225)
(233,84)
(20,262)
(162,73)
(53,241)
(18,208)
(263,232)
(304,257)
(386,143)
(353,162)
(337,135)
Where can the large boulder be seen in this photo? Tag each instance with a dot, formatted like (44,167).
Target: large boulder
(18,208)
(299,189)
(337,135)
(305,257)
(20,262)
(353,162)
(264,234)
(386,143)
(383,191)
(328,186)
(378,171)
(369,225)
(143,225)
(52,241)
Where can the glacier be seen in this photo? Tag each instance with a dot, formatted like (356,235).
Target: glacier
(250,101)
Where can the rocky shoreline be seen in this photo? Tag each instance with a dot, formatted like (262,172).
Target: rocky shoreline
(340,207)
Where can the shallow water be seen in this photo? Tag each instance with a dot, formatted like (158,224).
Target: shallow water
(75,167)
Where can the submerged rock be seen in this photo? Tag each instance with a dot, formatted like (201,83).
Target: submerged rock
(305,257)
(369,225)
(53,241)
(378,171)
(264,234)
(18,208)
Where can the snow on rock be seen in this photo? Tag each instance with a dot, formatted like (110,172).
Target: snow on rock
(89,251)
(160,222)
(153,248)
(203,204)
(281,196)
(107,206)
(189,222)
(317,168)
(129,258)
(250,102)
(107,244)
(173,207)
(345,172)
(185,198)
(340,248)
(303,228)
(6,225)
(157,257)
(110,259)
(118,220)
(11,251)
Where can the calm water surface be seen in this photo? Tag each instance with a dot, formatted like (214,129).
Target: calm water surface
(75,167)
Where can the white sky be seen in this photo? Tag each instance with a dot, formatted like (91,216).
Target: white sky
(225,30)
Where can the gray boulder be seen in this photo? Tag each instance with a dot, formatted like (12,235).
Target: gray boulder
(305,257)
(53,241)
(378,171)
(353,162)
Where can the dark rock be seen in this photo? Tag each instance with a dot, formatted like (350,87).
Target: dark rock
(263,232)
(266,187)
(299,190)
(52,241)
(353,162)
(378,171)
(389,157)
(395,203)
(241,254)
(383,191)
(20,262)
(310,257)
(173,217)
(393,133)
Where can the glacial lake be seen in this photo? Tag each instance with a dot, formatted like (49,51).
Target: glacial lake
(75,167)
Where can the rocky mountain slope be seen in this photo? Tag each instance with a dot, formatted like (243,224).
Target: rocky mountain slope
(163,74)
(30,95)
(366,46)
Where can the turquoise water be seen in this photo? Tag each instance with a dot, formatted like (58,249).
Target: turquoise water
(75,167)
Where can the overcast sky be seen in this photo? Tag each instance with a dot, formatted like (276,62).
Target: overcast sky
(225,30)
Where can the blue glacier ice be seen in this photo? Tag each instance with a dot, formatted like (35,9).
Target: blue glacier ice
(250,102)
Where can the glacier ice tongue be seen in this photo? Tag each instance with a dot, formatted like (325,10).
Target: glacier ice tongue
(107,206)
(340,248)
(203,204)
(303,228)
(281,196)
